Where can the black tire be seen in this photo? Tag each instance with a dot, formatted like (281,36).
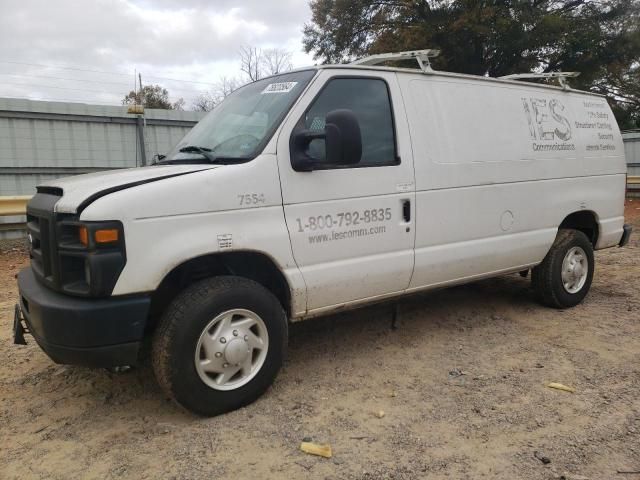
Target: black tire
(546,278)
(176,338)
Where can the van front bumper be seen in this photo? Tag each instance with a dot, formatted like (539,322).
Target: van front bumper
(80,331)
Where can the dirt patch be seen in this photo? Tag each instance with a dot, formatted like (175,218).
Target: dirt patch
(632,210)
(462,382)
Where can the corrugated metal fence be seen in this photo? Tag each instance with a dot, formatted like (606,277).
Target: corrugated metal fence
(632,151)
(40,141)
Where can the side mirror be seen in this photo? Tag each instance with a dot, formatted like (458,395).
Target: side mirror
(342,137)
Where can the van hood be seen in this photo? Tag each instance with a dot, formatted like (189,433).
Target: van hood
(80,190)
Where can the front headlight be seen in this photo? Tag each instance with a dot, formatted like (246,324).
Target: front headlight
(91,256)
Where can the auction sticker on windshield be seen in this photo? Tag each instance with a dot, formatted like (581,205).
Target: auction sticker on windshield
(281,87)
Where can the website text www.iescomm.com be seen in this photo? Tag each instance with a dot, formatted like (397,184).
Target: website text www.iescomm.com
(341,235)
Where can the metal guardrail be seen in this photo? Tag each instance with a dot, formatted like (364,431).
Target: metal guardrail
(633,186)
(16,205)
(13,206)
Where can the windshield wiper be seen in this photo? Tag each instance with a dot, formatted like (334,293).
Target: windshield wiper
(204,151)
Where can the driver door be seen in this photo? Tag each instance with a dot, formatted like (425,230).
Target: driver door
(351,227)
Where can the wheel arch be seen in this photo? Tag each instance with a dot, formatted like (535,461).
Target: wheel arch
(585,221)
(254,265)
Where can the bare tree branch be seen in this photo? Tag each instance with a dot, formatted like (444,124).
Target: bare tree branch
(250,60)
(276,60)
(223,88)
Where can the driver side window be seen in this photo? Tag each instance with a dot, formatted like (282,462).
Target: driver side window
(368,99)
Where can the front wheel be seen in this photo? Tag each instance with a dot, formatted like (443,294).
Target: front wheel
(564,277)
(219,345)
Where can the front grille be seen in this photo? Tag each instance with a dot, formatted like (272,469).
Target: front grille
(42,237)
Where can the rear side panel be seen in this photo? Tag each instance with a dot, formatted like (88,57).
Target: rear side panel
(499,166)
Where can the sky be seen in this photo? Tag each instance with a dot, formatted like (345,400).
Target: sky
(89,50)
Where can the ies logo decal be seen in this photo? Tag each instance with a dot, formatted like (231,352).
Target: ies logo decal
(546,119)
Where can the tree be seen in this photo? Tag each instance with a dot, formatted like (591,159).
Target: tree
(205,102)
(276,60)
(599,38)
(623,85)
(177,105)
(152,96)
(250,60)
(256,63)
(223,88)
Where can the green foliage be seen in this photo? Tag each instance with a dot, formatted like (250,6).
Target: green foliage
(599,38)
(152,96)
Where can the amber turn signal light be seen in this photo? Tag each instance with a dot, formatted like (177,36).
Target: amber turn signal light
(84,236)
(106,236)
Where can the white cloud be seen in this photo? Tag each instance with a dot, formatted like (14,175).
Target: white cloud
(194,40)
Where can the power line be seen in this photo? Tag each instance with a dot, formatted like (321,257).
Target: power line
(211,84)
(192,94)
(85,101)
(67,79)
(190,90)
(102,72)
(64,68)
(57,88)
(172,98)
(73,100)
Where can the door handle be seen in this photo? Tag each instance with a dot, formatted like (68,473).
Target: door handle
(406,210)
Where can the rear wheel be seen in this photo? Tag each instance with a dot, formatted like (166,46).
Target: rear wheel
(219,345)
(564,277)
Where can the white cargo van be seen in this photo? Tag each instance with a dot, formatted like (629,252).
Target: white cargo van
(312,191)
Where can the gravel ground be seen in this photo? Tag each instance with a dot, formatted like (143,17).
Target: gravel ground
(462,383)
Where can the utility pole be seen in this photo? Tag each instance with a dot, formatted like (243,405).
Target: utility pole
(141,95)
(140,124)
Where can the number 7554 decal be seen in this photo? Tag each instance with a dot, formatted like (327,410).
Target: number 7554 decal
(251,198)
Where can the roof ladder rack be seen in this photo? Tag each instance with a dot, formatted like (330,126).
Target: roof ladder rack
(561,76)
(423,57)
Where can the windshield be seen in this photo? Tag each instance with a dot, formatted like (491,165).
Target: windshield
(241,125)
